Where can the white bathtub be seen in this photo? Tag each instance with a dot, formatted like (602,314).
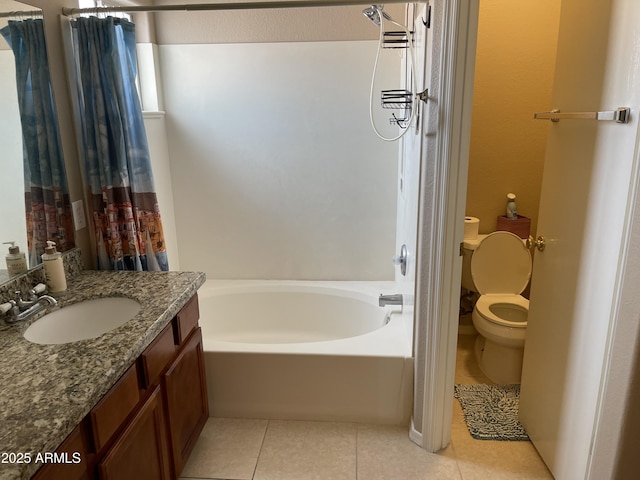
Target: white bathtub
(305,351)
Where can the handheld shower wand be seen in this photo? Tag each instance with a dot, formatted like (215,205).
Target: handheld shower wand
(376,14)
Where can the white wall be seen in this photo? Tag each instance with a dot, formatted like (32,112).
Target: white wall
(13,226)
(275,170)
(308,24)
(515,62)
(154,124)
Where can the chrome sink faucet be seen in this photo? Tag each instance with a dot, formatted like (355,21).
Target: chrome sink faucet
(19,310)
(395,299)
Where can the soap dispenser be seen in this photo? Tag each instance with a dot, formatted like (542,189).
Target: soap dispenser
(512,209)
(16,260)
(54,269)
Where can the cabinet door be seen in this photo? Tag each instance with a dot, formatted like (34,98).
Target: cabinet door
(140,452)
(77,455)
(186,399)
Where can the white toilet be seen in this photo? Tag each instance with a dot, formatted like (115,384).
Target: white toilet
(500,270)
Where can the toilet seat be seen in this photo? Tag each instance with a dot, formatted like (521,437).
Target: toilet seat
(518,305)
(501,264)
(501,269)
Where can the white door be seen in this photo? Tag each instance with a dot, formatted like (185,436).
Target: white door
(584,209)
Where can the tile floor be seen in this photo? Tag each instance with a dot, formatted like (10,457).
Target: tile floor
(249,449)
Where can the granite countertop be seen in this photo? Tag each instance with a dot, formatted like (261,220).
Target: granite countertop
(46,390)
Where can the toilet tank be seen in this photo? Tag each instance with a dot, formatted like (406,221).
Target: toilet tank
(468,246)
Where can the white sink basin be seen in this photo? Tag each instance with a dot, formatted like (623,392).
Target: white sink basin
(81,321)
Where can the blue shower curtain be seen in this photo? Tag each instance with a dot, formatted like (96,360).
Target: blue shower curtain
(47,204)
(117,165)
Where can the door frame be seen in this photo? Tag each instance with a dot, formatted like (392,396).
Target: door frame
(440,232)
(442,202)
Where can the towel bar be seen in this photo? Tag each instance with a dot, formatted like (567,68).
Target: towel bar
(621,115)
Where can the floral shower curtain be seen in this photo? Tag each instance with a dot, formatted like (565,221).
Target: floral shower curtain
(47,204)
(116,161)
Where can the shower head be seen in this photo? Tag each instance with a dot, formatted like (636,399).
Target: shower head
(373,13)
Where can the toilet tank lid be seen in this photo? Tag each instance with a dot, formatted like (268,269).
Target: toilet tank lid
(501,264)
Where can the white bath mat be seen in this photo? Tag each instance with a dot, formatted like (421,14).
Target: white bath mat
(491,411)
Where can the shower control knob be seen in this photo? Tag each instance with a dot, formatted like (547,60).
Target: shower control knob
(401,260)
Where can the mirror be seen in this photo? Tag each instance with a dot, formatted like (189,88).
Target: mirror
(12,226)
(46,199)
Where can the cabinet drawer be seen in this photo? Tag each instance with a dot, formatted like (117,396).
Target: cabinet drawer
(158,355)
(115,407)
(188,318)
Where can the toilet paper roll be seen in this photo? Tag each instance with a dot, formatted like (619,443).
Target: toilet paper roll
(471,227)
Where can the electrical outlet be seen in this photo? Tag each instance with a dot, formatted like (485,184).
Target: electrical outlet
(79,221)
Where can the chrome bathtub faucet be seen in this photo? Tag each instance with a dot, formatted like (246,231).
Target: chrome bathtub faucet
(19,310)
(395,299)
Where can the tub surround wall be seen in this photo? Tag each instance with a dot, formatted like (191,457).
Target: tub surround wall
(274,169)
(409,176)
(53,387)
(276,172)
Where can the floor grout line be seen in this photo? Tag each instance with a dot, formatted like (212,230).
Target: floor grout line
(357,439)
(455,455)
(264,436)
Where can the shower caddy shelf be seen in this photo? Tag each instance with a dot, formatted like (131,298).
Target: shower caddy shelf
(400,99)
(396,39)
(397,100)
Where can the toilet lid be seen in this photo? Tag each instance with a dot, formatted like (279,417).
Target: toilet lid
(501,264)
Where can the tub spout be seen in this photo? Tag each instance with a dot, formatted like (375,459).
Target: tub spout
(395,299)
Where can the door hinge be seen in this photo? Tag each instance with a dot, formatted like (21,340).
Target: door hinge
(461,249)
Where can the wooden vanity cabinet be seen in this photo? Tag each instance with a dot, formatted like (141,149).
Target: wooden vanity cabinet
(145,427)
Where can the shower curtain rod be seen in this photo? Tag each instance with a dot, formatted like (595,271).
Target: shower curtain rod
(26,13)
(68,11)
